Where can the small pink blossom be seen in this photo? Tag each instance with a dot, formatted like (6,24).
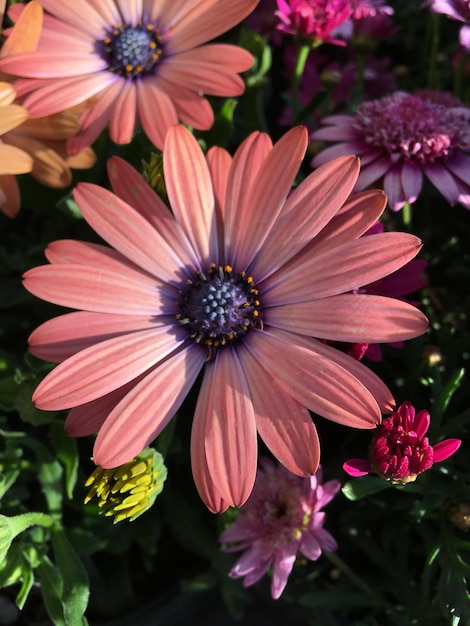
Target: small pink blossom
(402,137)
(314,20)
(399,451)
(281,518)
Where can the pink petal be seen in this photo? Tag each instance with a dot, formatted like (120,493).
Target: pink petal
(310,547)
(371,381)
(138,418)
(191,107)
(61,337)
(421,423)
(190,192)
(156,111)
(219,162)
(357,467)
(127,231)
(230,428)
(284,560)
(443,180)
(352,318)
(352,220)
(273,183)
(78,13)
(411,180)
(123,114)
(105,366)
(315,381)
(343,268)
(242,176)
(99,290)
(307,210)
(372,171)
(283,424)
(195,29)
(444,449)
(46,65)
(129,185)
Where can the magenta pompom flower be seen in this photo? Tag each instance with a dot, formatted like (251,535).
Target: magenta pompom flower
(243,279)
(313,20)
(132,62)
(281,518)
(400,451)
(401,137)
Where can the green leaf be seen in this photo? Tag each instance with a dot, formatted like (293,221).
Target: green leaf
(67,451)
(51,589)
(366,486)
(75,588)
(11,527)
(25,407)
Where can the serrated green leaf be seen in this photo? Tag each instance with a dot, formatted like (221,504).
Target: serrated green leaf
(363,487)
(11,527)
(67,451)
(51,589)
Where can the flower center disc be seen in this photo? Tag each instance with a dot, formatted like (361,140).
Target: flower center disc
(220,307)
(132,50)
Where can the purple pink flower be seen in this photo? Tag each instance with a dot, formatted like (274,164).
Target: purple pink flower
(216,285)
(457,10)
(313,20)
(132,63)
(400,451)
(401,137)
(282,517)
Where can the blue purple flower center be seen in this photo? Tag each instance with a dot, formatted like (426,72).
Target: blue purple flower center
(413,127)
(131,51)
(219,307)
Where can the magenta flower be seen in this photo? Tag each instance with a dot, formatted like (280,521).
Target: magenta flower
(132,62)
(400,138)
(457,10)
(282,517)
(217,284)
(399,451)
(314,20)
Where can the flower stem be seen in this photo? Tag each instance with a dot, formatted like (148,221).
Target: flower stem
(338,562)
(302,56)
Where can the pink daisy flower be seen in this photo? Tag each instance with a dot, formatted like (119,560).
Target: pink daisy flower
(399,451)
(133,62)
(282,517)
(400,138)
(315,20)
(219,285)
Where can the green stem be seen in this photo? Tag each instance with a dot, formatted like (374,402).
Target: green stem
(302,56)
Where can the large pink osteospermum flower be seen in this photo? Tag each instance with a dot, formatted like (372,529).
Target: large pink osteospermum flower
(400,138)
(133,61)
(315,20)
(282,517)
(243,279)
(399,451)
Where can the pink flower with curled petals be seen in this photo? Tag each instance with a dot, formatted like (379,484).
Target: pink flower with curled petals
(282,517)
(402,137)
(314,20)
(216,285)
(133,63)
(458,10)
(399,451)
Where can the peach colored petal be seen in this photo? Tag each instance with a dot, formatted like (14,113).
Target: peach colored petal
(342,268)
(156,110)
(59,126)
(99,290)
(103,367)
(284,425)
(127,231)
(63,336)
(24,36)
(242,176)
(273,183)
(9,195)
(138,418)
(7,94)
(11,116)
(351,318)
(13,160)
(230,428)
(83,160)
(129,185)
(315,381)
(307,210)
(189,187)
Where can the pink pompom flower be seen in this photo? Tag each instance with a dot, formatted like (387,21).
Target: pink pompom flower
(400,451)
